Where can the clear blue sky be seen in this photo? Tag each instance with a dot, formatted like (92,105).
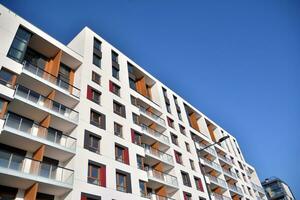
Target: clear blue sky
(239,62)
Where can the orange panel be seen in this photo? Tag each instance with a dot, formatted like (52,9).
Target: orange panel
(72,78)
(211,132)
(193,121)
(30,193)
(46,121)
(3,110)
(141,86)
(161,191)
(39,153)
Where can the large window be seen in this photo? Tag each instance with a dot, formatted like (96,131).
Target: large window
(119,109)
(97,60)
(97,45)
(121,182)
(185,179)
(121,154)
(7,78)
(96,78)
(115,72)
(97,119)
(19,45)
(93,95)
(140,162)
(143,188)
(97,174)
(132,84)
(136,138)
(114,88)
(198,184)
(114,56)
(92,142)
(118,129)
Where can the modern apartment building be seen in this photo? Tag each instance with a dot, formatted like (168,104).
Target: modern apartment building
(84,121)
(277,189)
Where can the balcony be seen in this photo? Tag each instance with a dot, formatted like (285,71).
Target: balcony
(219,197)
(229,173)
(235,189)
(209,150)
(164,157)
(157,135)
(21,132)
(158,197)
(153,116)
(217,181)
(258,188)
(22,172)
(211,164)
(225,159)
(53,80)
(40,106)
(162,177)
(6,89)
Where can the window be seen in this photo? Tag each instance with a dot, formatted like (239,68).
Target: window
(136,137)
(135,118)
(97,60)
(192,164)
(115,72)
(187,146)
(187,196)
(114,88)
(123,182)
(182,129)
(114,56)
(185,179)
(97,174)
(198,184)
(132,83)
(118,129)
(143,188)
(140,162)
(19,45)
(92,141)
(93,95)
(179,116)
(174,139)
(170,122)
(7,78)
(97,44)
(97,119)
(96,78)
(85,196)
(133,100)
(119,109)
(168,108)
(178,157)
(121,154)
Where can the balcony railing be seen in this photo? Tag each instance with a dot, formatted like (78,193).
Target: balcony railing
(45,102)
(225,158)
(209,149)
(159,154)
(235,188)
(152,116)
(169,179)
(212,164)
(157,135)
(220,197)
(217,180)
(51,78)
(230,173)
(28,127)
(158,197)
(257,187)
(26,165)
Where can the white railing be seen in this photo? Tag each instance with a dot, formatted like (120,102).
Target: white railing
(171,180)
(217,180)
(52,79)
(152,115)
(230,173)
(220,197)
(209,149)
(65,112)
(159,154)
(24,126)
(36,168)
(235,188)
(212,164)
(157,135)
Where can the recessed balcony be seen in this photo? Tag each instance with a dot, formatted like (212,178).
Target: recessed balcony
(235,189)
(211,164)
(155,156)
(219,196)
(217,181)
(155,135)
(35,106)
(230,174)
(152,115)
(23,172)
(161,179)
(28,135)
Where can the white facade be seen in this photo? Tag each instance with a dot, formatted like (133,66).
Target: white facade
(228,176)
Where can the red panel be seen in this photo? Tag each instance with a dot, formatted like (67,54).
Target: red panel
(103,176)
(83,197)
(200,186)
(110,86)
(89,92)
(132,135)
(176,156)
(126,156)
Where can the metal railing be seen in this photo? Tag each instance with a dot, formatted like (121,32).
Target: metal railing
(220,197)
(157,153)
(158,197)
(29,67)
(28,127)
(257,187)
(230,173)
(235,188)
(157,135)
(209,149)
(225,158)
(212,164)
(217,180)
(169,179)
(152,115)
(36,168)
(45,102)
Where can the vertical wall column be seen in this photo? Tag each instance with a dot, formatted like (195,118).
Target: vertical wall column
(52,67)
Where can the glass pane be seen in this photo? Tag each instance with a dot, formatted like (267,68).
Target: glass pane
(26,125)
(45,170)
(16,162)
(4,158)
